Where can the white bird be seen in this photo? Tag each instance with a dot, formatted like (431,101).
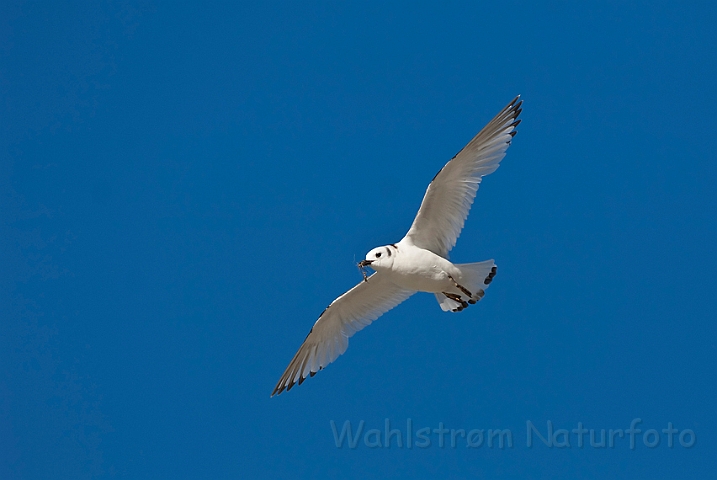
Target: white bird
(419,262)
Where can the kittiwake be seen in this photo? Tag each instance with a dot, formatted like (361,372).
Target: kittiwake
(419,262)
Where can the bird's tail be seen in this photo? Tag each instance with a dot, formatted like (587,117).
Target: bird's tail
(474,278)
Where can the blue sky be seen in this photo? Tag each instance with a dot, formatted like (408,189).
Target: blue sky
(185,188)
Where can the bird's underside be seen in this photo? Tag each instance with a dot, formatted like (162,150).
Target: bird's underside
(419,262)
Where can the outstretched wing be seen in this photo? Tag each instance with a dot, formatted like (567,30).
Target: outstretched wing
(450,195)
(346,315)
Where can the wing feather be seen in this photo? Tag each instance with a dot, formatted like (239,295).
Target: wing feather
(329,337)
(450,195)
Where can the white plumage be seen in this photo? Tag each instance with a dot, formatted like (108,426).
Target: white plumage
(419,262)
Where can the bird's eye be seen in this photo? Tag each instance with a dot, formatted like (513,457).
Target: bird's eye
(378,255)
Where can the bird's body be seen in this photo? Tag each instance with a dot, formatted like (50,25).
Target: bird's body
(415,268)
(419,262)
(420,270)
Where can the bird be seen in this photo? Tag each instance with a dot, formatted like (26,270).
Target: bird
(419,262)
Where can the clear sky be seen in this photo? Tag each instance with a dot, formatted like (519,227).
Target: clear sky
(183,190)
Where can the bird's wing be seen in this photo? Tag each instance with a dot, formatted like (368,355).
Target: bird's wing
(329,337)
(450,195)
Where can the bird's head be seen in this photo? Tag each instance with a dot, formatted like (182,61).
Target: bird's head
(379,258)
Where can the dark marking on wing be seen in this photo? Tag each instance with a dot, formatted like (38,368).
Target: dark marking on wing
(439,171)
(490,276)
(453,296)
(322,314)
(458,299)
(464,290)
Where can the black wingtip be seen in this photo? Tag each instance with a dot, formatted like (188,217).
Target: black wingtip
(490,276)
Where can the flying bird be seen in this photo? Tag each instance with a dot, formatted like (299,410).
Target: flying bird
(419,262)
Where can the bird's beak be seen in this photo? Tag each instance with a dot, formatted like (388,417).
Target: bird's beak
(365,263)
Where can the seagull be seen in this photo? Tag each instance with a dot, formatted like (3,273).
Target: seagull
(419,262)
